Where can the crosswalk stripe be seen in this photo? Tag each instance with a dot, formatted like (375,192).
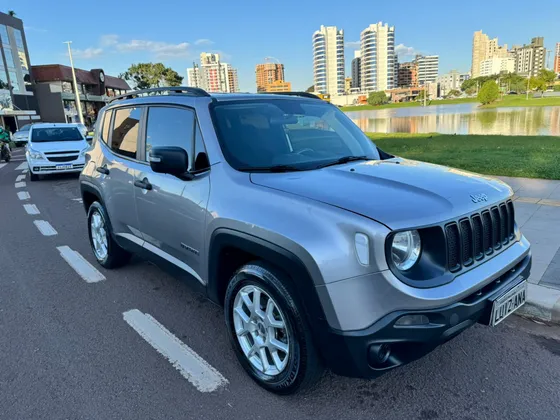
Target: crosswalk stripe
(45,228)
(84,269)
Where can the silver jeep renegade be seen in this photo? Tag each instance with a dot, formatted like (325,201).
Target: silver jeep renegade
(323,249)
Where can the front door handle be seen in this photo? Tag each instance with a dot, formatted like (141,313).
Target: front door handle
(102,170)
(144,184)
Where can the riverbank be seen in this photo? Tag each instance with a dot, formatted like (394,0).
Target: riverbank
(408,104)
(508,101)
(516,156)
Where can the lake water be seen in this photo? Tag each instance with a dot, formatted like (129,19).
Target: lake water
(461,119)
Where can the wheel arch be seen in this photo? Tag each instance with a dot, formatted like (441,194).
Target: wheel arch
(90,193)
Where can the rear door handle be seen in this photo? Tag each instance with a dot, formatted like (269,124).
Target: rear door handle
(102,170)
(144,184)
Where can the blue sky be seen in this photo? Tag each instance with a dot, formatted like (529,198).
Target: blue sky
(114,34)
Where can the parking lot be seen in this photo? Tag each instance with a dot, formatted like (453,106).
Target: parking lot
(82,342)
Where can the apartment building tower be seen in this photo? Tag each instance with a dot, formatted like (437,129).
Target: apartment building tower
(408,74)
(556,67)
(268,73)
(328,60)
(484,48)
(377,47)
(213,75)
(428,68)
(357,70)
(497,65)
(530,59)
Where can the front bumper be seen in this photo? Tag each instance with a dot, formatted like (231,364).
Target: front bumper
(46,167)
(359,353)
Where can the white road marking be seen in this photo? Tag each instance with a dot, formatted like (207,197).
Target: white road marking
(25,171)
(79,200)
(2,165)
(194,368)
(31,209)
(18,160)
(23,165)
(45,228)
(85,270)
(23,195)
(20,178)
(20,184)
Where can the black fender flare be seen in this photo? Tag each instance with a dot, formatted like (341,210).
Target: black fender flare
(285,260)
(87,187)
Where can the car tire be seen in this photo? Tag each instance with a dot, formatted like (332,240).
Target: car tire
(33,177)
(114,255)
(297,366)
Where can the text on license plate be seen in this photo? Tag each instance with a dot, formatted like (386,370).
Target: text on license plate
(62,167)
(510,301)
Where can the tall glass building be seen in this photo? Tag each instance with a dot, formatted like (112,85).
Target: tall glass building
(17,102)
(328,60)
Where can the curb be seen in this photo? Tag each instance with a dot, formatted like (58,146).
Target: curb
(542,303)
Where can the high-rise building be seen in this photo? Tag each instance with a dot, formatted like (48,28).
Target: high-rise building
(328,60)
(357,70)
(268,73)
(451,81)
(484,48)
(428,68)
(556,67)
(408,74)
(213,75)
(16,95)
(278,86)
(530,59)
(378,57)
(497,65)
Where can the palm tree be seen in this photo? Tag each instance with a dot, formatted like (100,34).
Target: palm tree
(11,13)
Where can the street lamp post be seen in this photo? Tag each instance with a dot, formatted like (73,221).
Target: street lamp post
(76,91)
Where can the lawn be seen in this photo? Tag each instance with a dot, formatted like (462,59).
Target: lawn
(522,156)
(521,100)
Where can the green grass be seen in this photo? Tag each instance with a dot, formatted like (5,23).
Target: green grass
(408,104)
(521,156)
(520,100)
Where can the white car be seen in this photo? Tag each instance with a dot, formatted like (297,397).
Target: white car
(21,136)
(55,148)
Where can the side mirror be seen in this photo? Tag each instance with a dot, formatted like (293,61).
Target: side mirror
(169,160)
(89,139)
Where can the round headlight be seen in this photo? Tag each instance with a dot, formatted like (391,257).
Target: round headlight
(405,249)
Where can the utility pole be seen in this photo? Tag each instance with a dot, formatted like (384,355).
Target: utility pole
(528,80)
(76,91)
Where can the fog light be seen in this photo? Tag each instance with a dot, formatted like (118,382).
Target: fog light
(410,320)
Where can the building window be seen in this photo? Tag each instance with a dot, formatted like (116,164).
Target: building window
(67,87)
(14,81)
(19,39)
(9,58)
(4,35)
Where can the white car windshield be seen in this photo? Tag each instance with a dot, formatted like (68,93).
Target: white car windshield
(42,135)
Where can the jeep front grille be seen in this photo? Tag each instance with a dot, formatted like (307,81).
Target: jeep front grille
(473,238)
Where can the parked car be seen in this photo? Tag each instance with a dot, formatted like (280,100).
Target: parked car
(323,249)
(21,136)
(55,148)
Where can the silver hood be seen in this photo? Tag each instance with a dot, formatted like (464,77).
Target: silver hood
(399,193)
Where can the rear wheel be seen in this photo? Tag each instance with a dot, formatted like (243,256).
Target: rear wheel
(268,332)
(107,252)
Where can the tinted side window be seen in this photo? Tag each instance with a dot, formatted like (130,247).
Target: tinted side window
(125,131)
(106,126)
(167,126)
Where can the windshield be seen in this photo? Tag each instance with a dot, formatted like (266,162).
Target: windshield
(25,127)
(40,135)
(288,134)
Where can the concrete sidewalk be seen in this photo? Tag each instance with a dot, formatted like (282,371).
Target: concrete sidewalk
(537,212)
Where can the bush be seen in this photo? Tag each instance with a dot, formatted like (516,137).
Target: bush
(377,98)
(453,93)
(489,92)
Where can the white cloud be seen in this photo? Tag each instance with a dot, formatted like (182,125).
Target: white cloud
(159,49)
(352,44)
(403,51)
(107,40)
(88,53)
(203,41)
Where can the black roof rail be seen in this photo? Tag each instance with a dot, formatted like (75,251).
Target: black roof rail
(192,91)
(303,94)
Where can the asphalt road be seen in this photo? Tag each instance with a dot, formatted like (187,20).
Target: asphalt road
(67,353)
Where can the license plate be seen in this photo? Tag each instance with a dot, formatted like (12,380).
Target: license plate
(508,303)
(63,167)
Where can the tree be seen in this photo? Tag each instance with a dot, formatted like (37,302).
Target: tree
(489,92)
(12,13)
(148,75)
(420,96)
(310,88)
(453,93)
(547,76)
(538,84)
(377,98)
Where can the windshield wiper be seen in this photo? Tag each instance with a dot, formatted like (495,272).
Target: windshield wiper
(274,168)
(342,160)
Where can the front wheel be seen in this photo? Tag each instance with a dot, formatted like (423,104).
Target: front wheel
(33,177)
(268,332)
(107,252)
